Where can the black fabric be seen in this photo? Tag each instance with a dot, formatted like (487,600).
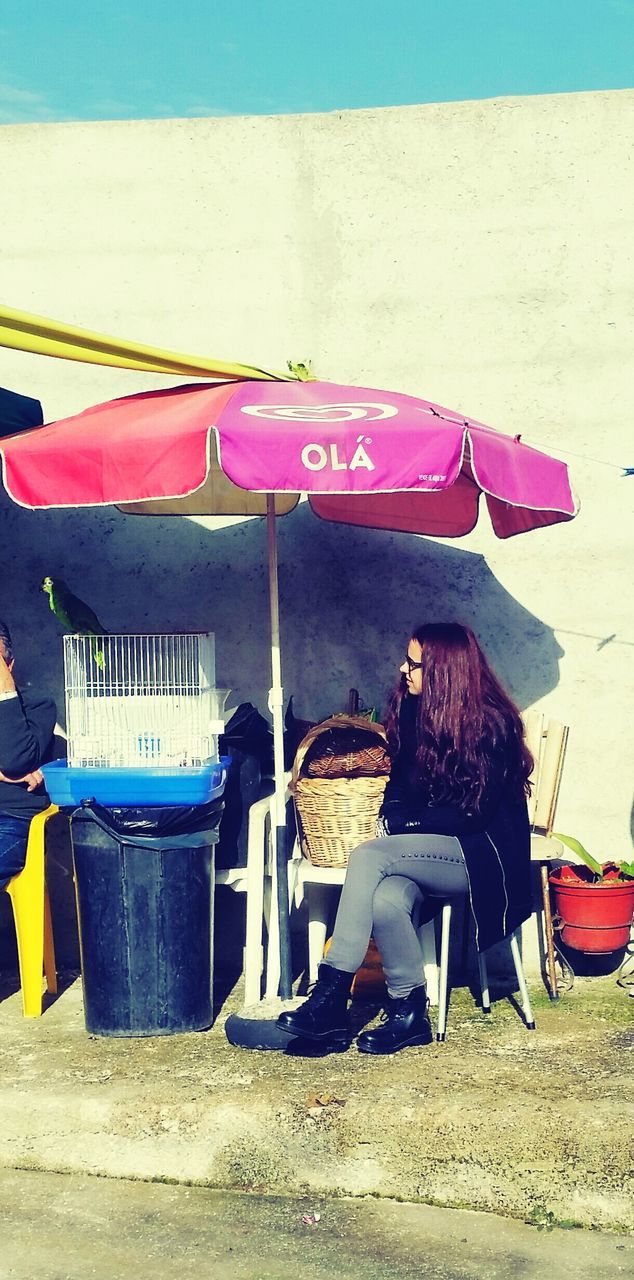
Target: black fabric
(498,863)
(18,413)
(416,817)
(26,742)
(495,842)
(247,731)
(248,743)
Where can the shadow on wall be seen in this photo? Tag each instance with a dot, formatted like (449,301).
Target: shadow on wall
(349,600)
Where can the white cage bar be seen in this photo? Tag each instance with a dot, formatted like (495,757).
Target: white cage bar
(141,700)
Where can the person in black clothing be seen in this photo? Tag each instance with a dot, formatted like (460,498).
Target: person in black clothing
(26,742)
(454,821)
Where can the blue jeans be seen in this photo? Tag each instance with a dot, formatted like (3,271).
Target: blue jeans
(14,833)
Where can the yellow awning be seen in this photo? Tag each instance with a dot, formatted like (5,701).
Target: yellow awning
(24,332)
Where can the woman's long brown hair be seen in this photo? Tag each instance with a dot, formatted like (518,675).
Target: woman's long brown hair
(469,731)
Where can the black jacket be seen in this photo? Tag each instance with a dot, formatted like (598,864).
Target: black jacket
(495,842)
(26,742)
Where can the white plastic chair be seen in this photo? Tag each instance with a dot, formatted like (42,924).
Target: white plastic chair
(441,976)
(317,884)
(251,880)
(258,879)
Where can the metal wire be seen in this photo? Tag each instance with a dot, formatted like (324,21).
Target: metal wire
(141,700)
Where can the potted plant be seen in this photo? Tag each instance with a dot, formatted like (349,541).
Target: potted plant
(594,901)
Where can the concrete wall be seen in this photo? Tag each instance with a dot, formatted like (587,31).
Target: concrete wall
(476,253)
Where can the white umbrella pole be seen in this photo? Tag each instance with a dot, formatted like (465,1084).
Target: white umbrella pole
(276,704)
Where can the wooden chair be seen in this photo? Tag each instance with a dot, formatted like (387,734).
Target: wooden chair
(32,918)
(547,740)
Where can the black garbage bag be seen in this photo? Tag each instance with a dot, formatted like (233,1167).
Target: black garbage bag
(247,730)
(294,731)
(248,742)
(156,821)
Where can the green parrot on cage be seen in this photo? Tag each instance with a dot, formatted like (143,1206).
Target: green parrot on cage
(75,616)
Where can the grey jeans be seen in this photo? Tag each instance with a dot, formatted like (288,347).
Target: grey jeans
(386,884)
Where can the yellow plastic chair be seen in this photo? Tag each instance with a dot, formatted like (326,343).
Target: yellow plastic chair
(32,918)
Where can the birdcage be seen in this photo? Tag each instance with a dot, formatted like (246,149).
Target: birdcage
(141,700)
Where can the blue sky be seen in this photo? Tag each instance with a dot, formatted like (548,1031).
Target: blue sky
(69,60)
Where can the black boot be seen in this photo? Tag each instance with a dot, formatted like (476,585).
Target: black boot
(324,1015)
(405,1022)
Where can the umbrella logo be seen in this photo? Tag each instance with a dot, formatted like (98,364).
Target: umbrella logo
(351,411)
(315,457)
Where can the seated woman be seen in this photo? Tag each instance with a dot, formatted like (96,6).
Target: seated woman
(454,821)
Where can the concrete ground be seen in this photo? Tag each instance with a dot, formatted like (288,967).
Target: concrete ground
(83,1228)
(535,1126)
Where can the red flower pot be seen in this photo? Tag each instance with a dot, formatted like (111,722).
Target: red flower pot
(592,917)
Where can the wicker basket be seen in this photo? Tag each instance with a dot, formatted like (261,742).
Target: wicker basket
(334,815)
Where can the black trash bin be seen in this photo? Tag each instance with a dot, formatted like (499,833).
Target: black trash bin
(144,880)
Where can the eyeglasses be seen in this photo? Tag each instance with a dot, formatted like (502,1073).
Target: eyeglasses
(411,665)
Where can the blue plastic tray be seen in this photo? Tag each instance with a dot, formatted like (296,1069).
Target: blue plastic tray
(68,785)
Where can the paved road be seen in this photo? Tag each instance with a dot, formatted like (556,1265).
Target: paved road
(74,1227)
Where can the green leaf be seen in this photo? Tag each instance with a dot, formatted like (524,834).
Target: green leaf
(580,851)
(627,869)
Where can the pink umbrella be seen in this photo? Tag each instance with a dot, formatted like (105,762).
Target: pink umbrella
(364,457)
